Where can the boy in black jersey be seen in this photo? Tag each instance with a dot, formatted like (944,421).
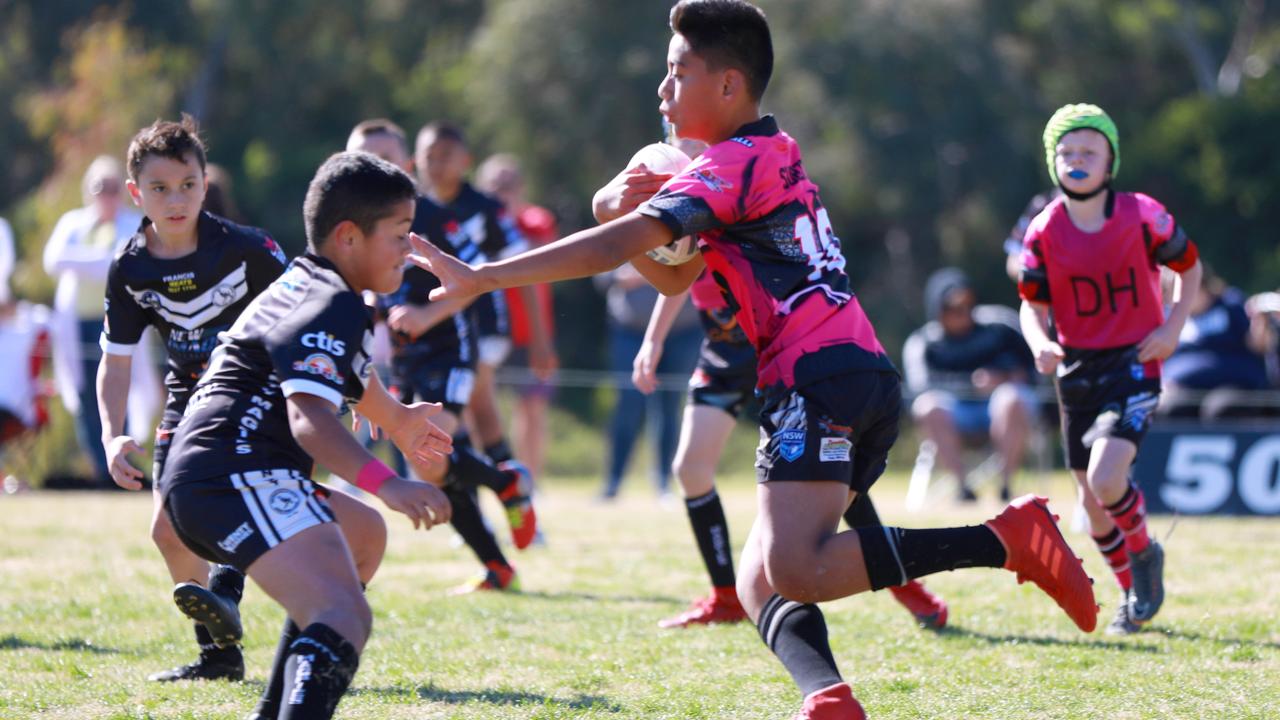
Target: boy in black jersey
(188,274)
(442,161)
(237,484)
(434,358)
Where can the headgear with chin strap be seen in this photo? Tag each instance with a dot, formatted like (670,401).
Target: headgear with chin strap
(1080,116)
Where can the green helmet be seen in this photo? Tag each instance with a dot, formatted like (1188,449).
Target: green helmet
(1077,117)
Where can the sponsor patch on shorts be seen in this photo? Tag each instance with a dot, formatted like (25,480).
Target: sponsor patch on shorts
(835,449)
(790,444)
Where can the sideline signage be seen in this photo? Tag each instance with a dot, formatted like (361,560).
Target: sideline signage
(1224,469)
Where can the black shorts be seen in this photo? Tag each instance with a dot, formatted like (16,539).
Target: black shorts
(234,519)
(447,381)
(1116,405)
(840,428)
(164,435)
(725,377)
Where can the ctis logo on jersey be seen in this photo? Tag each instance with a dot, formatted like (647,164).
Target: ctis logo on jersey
(714,182)
(322,365)
(326,342)
(224,295)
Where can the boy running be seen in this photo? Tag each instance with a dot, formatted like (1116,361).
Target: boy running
(237,486)
(188,274)
(831,397)
(1091,257)
(443,160)
(434,357)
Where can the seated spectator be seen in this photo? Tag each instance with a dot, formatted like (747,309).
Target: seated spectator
(1219,368)
(969,370)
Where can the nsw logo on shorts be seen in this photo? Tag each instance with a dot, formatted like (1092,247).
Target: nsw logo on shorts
(790,444)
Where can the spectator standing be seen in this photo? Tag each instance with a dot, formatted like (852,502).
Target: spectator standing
(78,255)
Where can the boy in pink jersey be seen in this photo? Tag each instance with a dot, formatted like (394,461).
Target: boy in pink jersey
(1091,257)
(831,397)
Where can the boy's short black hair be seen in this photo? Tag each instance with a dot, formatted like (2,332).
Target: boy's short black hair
(168,139)
(728,34)
(355,186)
(381,126)
(443,131)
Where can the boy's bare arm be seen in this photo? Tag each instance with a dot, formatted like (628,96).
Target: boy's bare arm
(585,253)
(114,374)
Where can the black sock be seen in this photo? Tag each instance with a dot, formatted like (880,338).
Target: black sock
(894,555)
(469,523)
(227,582)
(269,705)
(797,634)
(210,651)
(468,468)
(499,452)
(706,515)
(862,513)
(317,672)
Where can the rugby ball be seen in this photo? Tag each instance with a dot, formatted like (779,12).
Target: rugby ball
(666,159)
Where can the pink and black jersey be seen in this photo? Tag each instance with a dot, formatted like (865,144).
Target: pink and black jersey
(769,246)
(718,319)
(1103,287)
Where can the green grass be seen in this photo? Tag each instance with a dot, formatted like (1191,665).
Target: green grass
(85,615)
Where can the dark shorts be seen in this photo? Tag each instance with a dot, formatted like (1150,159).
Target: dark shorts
(447,381)
(725,377)
(840,428)
(234,519)
(1116,405)
(164,435)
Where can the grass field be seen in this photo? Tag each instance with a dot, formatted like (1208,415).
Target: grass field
(85,615)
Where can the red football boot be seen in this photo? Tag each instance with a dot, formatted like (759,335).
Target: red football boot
(832,703)
(495,576)
(517,500)
(721,607)
(1036,551)
(929,609)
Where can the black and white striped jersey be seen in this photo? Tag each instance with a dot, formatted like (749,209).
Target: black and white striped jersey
(483,220)
(453,340)
(309,332)
(190,299)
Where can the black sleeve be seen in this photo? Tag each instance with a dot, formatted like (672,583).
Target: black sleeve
(125,319)
(266,263)
(313,351)
(502,238)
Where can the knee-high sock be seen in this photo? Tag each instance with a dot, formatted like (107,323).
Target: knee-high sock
(269,704)
(711,530)
(894,555)
(468,468)
(797,635)
(319,669)
(469,523)
(1113,549)
(862,513)
(1130,515)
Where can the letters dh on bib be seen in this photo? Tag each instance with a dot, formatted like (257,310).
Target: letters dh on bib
(1197,470)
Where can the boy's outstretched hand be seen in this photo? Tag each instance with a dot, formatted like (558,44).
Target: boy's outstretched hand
(418,437)
(457,279)
(626,191)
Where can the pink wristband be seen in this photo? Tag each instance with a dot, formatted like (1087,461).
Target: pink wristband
(372,475)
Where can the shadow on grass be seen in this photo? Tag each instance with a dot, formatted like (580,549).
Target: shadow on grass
(591,597)
(954,631)
(13,642)
(435,693)
(1216,639)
